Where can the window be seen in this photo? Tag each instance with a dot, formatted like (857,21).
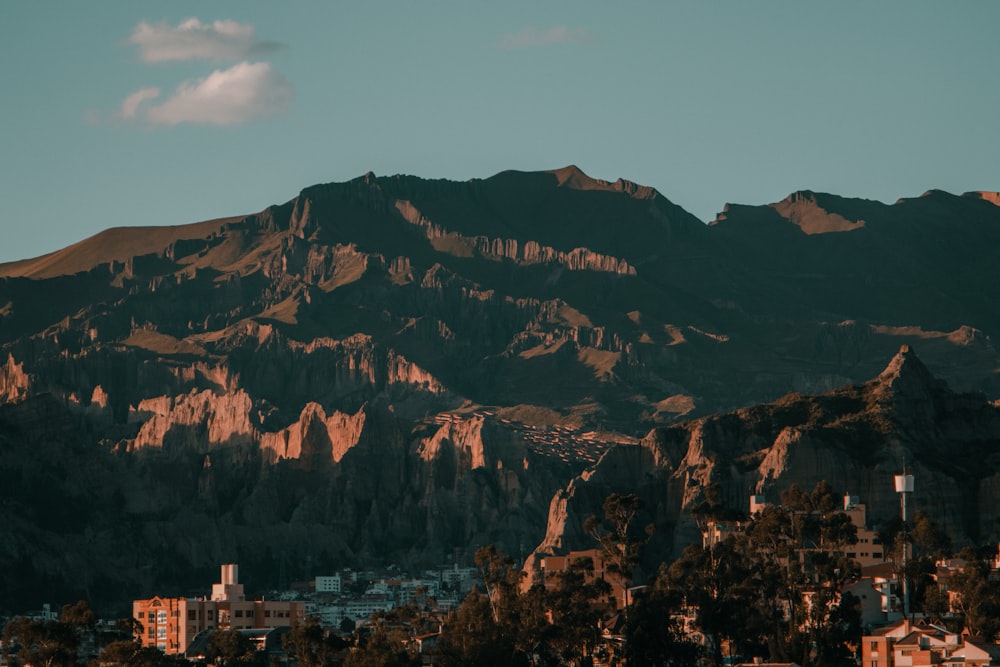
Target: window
(267,613)
(876,554)
(161,632)
(151,633)
(239,613)
(161,616)
(192,615)
(249,613)
(151,616)
(209,614)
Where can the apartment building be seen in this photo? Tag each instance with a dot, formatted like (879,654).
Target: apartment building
(170,624)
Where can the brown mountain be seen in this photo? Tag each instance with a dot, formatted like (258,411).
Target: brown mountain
(393,367)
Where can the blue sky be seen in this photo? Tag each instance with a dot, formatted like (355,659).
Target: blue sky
(152,113)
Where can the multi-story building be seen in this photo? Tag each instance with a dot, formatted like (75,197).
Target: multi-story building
(329,584)
(170,624)
(868,550)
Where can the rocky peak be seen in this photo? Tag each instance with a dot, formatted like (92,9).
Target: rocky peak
(804,209)
(574,178)
(906,377)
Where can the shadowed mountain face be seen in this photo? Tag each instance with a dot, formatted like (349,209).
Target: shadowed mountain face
(390,368)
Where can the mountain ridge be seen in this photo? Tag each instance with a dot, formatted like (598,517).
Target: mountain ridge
(405,367)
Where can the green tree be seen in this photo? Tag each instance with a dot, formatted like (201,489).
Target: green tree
(311,645)
(653,635)
(40,643)
(471,636)
(384,647)
(978,596)
(230,648)
(120,653)
(574,608)
(124,653)
(621,546)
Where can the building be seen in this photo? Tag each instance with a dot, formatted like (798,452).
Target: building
(909,644)
(170,624)
(329,584)
(868,550)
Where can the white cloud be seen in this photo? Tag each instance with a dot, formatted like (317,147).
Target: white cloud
(193,40)
(531,36)
(242,93)
(130,105)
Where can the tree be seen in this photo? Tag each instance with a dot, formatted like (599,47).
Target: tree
(120,653)
(125,653)
(500,626)
(653,636)
(574,610)
(230,648)
(978,596)
(311,645)
(40,643)
(620,546)
(383,648)
(78,615)
(720,586)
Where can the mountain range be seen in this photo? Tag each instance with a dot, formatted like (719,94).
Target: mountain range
(395,369)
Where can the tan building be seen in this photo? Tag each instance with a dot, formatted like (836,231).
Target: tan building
(868,550)
(170,624)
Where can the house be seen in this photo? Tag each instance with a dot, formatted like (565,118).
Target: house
(872,612)
(974,653)
(909,644)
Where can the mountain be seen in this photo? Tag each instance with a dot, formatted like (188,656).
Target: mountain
(393,368)
(856,438)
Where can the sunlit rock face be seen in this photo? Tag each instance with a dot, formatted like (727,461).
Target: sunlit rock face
(396,369)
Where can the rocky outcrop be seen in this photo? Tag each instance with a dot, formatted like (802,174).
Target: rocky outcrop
(14,382)
(528,253)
